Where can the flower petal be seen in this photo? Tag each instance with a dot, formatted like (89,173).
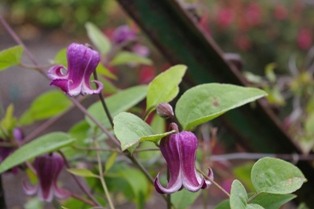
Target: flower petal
(56,72)
(88,90)
(62,84)
(60,193)
(191,179)
(29,190)
(211,176)
(170,149)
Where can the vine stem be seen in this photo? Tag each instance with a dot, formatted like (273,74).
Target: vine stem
(102,100)
(101,177)
(213,182)
(89,195)
(82,108)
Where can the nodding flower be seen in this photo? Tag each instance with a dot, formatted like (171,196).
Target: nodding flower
(48,168)
(179,151)
(82,62)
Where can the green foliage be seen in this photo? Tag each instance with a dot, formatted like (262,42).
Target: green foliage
(61,57)
(130,130)
(205,102)
(45,106)
(164,87)
(130,182)
(238,196)
(184,198)
(98,38)
(272,201)
(110,161)
(276,176)
(116,103)
(125,57)
(82,172)
(7,123)
(44,144)
(10,57)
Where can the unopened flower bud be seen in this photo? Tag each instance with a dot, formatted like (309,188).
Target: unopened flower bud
(165,110)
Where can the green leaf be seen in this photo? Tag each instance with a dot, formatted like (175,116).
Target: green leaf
(7,123)
(101,69)
(116,103)
(254,206)
(131,129)
(243,174)
(238,196)
(223,205)
(61,57)
(34,203)
(272,201)
(110,161)
(205,102)
(10,57)
(39,146)
(276,176)
(164,87)
(125,57)
(98,38)
(45,106)
(82,172)
(183,198)
(309,125)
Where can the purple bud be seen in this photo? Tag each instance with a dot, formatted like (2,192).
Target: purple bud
(165,110)
(123,34)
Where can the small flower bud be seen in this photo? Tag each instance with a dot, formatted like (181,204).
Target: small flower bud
(165,110)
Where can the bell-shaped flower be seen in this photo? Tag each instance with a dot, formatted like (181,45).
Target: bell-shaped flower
(82,61)
(179,151)
(47,168)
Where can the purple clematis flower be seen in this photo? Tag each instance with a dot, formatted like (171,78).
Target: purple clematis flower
(179,150)
(123,34)
(82,61)
(47,168)
(6,151)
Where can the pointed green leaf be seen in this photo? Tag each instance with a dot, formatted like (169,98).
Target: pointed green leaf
(131,129)
(98,38)
(82,172)
(10,57)
(45,106)
(238,196)
(125,57)
(223,205)
(164,87)
(39,146)
(8,122)
(205,102)
(61,57)
(116,103)
(110,161)
(101,69)
(254,206)
(184,198)
(272,201)
(276,176)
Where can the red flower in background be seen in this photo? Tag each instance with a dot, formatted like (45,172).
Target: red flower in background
(253,14)
(225,17)
(304,39)
(280,12)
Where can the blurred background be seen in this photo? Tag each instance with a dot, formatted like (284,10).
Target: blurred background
(273,37)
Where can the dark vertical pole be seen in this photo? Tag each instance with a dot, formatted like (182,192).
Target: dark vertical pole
(2,197)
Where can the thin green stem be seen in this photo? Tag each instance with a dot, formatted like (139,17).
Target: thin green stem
(82,199)
(213,182)
(255,195)
(101,177)
(82,187)
(168,195)
(97,149)
(82,108)
(102,100)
